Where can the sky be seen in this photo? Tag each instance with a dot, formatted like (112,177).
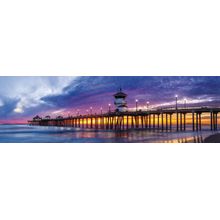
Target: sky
(22,98)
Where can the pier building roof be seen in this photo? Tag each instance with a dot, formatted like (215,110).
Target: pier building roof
(120,94)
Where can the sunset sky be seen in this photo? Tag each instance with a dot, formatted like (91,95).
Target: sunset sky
(21,98)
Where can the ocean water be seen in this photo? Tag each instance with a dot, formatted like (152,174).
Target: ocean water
(40,134)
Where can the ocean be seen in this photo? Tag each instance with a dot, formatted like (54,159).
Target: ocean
(40,134)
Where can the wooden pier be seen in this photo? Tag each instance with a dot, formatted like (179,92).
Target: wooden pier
(159,119)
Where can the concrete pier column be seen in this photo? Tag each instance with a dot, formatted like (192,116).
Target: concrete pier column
(181,122)
(127,124)
(100,122)
(142,121)
(177,121)
(123,122)
(108,122)
(136,121)
(211,121)
(91,122)
(200,122)
(184,121)
(215,120)
(111,122)
(193,121)
(170,121)
(153,121)
(166,121)
(145,121)
(158,121)
(132,121)
(162,125)
(103,122)
(149,120)
(197,121)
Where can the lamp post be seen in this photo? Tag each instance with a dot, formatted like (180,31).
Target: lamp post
(185,103)
(90,110)
(136,101)
(78,112)
(87,111)
(101,110)
(109,107)
(176,96)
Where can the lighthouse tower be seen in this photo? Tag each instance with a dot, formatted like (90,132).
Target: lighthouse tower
(120,102)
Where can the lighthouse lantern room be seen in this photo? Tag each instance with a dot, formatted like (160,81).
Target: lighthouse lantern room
(120,102)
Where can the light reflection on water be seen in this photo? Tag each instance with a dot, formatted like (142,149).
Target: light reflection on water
(37,134)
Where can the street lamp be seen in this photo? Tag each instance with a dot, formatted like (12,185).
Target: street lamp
(176,100)
(185,103)
(101,110)
(136,101)
(109,107)
(90,110)
(87,111)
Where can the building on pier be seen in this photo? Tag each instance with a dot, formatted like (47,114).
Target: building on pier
(120,102)
(37,118)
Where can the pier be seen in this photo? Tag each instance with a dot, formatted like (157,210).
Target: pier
(158,119)
(164,119)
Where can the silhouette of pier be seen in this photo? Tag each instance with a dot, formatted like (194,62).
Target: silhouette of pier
(154,119)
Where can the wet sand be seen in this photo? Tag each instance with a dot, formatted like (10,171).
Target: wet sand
(215,138)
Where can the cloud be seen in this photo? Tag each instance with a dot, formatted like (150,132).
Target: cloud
(24,97)
(98,90)
(24,94)
(7,107)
